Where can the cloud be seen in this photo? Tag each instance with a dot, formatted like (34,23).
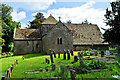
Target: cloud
(23,26)
(80,14)
(29,5)
(18,16)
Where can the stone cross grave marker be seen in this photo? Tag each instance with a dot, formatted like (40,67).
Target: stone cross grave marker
(64,55)
(68,54)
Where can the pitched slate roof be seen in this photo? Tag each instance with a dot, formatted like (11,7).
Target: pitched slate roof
(85,34)
(50,20)
(26,33)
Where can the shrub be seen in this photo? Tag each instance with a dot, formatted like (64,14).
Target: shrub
(97,64)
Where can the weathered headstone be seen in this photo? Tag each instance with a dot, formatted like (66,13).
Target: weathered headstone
(8,73)
(71,52)
(79,55)
(96,53)
(53,66)
(15,62)
(62,69)
(58,54)
(51,57)
(54,54)
(107,52)
(64,55)
(46,70)
(73,74)
(3,78)
(23,58)
(41,69)
(102,53)
(85,54)
(68,55)
(46,60)
(75,58)
(11,68)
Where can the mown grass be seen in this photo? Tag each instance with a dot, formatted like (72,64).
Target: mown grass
(33,62)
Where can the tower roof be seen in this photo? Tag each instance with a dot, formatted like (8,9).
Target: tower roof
(50,20)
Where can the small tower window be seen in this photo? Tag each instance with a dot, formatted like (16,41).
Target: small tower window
(59,40)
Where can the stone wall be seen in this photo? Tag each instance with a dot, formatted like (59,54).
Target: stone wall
(50,41)
(83,47)
(24,47)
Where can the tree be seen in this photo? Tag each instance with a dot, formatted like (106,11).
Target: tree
(8,26)
(112,16)
(69,21)
(85,22)
(36,23)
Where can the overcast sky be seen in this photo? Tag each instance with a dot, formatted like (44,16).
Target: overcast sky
(75,10)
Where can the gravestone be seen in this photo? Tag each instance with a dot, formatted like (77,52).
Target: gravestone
(64,55)
(8,73)
(23,58)
(3,78)
(11,68)
(85,54)
(41,69)
(107,52)
(46,60)
(75,58)
(71,52)
(54,54)
(68,55)
(53,66)
(62,69)
(79,55)
(73,74)
(102,53)
(16,61)
(96,53)
(58,54)
(51,57)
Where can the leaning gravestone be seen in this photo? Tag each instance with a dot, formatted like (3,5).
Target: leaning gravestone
(71,52)
(46,60)
(107,52)
(96,53)
(54,54)
(64,55)
(68,54)
(75,58)
(53,66)
(102,53)
(58,54)
(51,57)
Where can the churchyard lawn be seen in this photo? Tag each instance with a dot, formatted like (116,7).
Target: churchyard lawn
(35,61)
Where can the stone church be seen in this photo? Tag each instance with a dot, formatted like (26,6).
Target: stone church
(57,36)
